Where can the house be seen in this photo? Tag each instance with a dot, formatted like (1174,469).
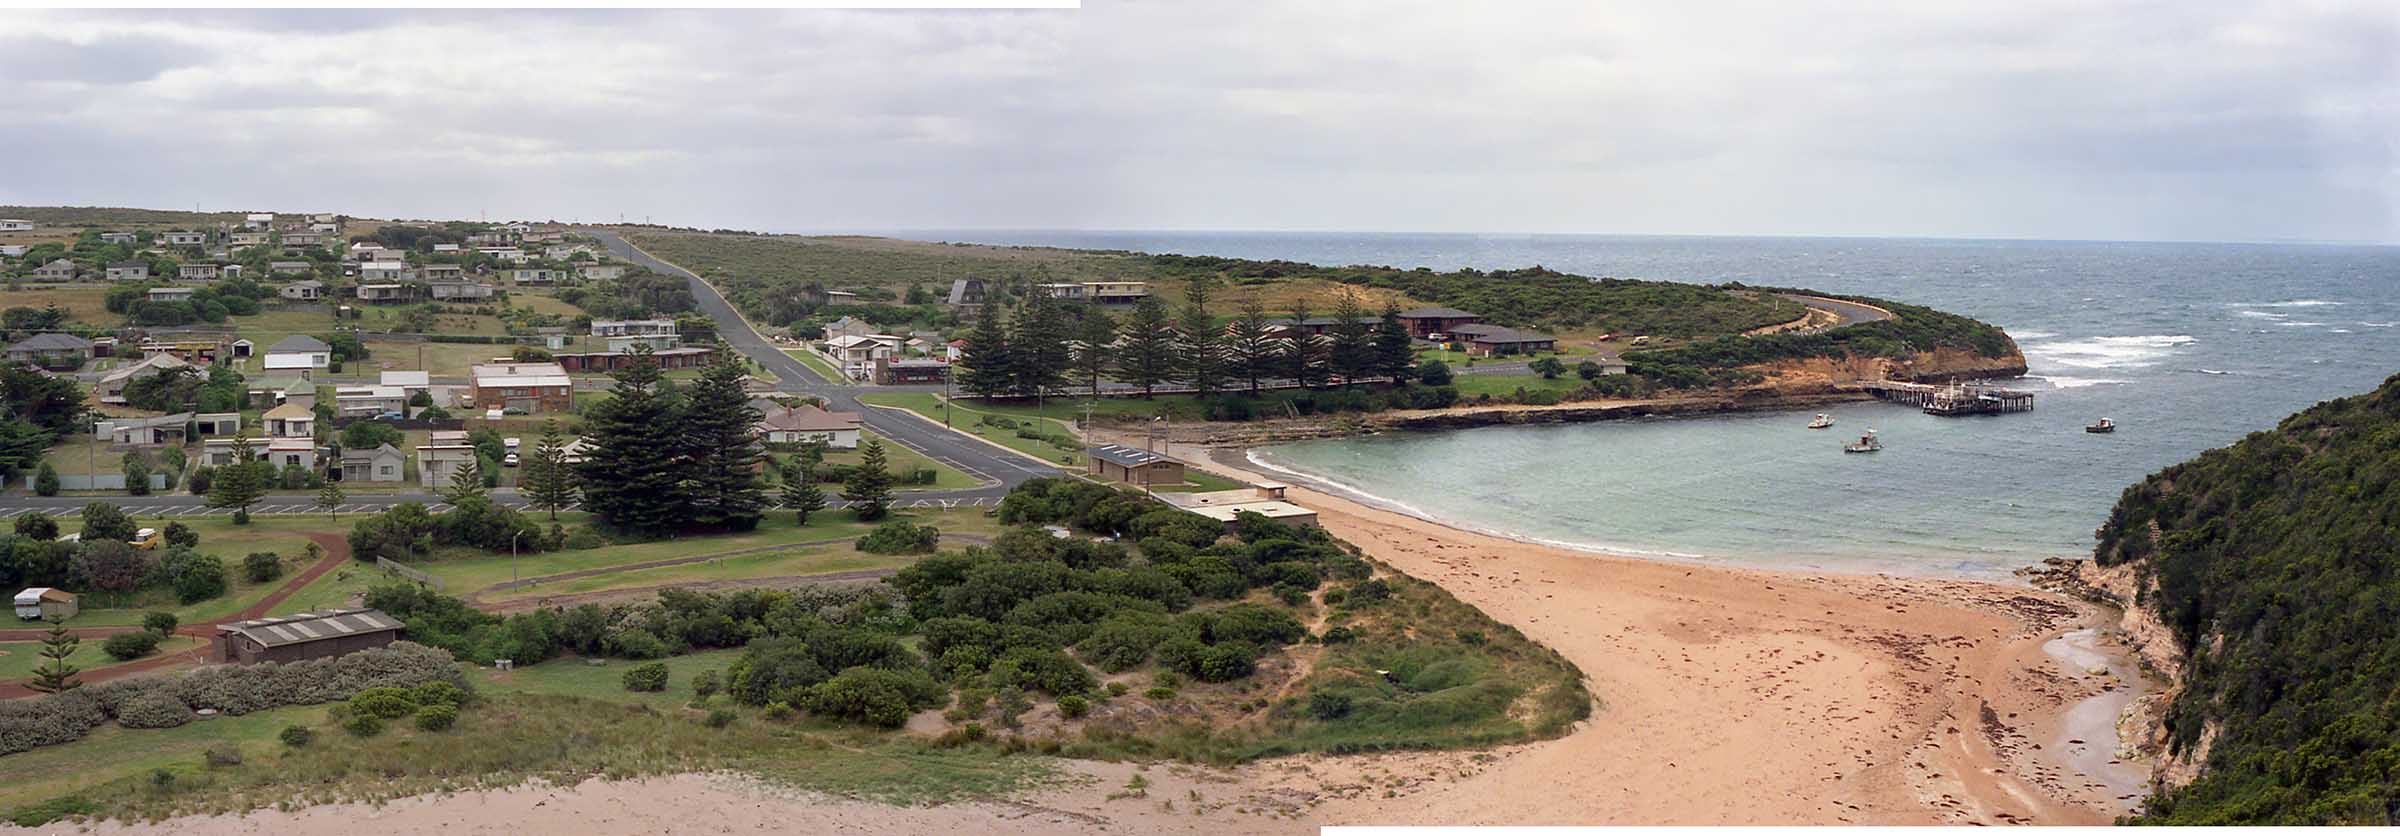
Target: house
(955,350)
(856,355)
(848,326)
(385,463)
(230,271)
(302,240)
(966,295)
(1312,326)
(800,424)
(536,275)
(128,271)
(299,638)
(209,424)
(292,268)
(1266,500)
(259,220)
(1609,364)
(410,382)
(609,361)
(309,290)
(148,432)
(436,462)
(1132,465)
(183,239)
(13,250)
(479,240)
(1494,341)
(192,347)
(287,452)
(61,351)
(631,327)
(383,271)
(298,352)
(291,420)
(383,292)
(445,248)
(890,371)
(46,603)
(602,272)
(525,387)
(1116,293)
(15,225)
(118,237)
(443,273)
(58,270)
(460,290)
(1069,291)
(1423,323)
(511,255)
(111,388)
(369,401)
(280,388)
(170,294)
(657,342)
(245,239)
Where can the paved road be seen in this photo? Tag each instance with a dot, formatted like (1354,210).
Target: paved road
(296,505)
(1851,313)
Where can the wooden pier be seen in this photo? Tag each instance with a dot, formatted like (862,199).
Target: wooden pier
(1954,398)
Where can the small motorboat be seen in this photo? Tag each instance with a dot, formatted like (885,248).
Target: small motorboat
(1865,444)
(2101,426)
(1823,421)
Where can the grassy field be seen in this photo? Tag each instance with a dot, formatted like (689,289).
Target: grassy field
(83,303)
(787,562)
(964,419)
(18,659)
(816,364)
(442,359)
(604,682)
(542,302)
(84,455)
(229,542)
(464,571)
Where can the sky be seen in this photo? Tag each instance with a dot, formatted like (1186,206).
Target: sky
(2088,119)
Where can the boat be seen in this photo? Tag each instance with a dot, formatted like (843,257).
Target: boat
(1865,444)
(2102,426)
(1823,421)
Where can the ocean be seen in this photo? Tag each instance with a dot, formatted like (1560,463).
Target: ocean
(2187,346)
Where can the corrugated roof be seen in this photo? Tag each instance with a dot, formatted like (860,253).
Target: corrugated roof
(308,627)
(1434,313)
(1127,456)
(298,343)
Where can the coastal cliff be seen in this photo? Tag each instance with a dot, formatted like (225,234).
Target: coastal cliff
(2262,580)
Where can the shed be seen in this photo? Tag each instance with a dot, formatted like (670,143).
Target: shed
(1133,465)
(305,636)
(45,603)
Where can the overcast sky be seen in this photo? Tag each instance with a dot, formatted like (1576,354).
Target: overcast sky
(2174,119)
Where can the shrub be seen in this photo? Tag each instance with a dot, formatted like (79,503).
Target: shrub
(36,815)
(1161,693)
(384,703)
(128,646)
(779,711)
(1329,705)
(439,692)
(296,736)
(720,718)
(224,754)
(161,623)
(650,677)
(900,537)
(154,710)
(707,683)
(873,695)
(1073,706)
(363,725)
(1118,689)
(437,717)
(178,534)
(261,567)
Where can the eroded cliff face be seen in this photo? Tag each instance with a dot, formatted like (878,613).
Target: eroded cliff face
(1943,365)
(2145,721)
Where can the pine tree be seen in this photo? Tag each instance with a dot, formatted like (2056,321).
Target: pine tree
(45,480)
(241,484)
(1351,352)
(1093,348)
(1303,357)
(801,494)
(1251,346)
(721,452)
(54,675)
(983,368)
(1394,350)
(630,471)
(1038,349)
(870,487)
(1147,357)
(466,483)
(331,498)
(549,482)
(1203,343)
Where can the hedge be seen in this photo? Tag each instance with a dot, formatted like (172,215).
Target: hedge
(230,689)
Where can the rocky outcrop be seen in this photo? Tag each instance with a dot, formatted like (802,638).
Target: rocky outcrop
(1943,365)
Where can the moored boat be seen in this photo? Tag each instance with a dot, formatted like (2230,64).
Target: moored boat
(1865,444)
(1823,421)
(2101,426)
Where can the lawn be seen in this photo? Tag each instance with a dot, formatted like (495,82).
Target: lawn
(84,455)
(18,659)
(968,420)
(604,682)
(111,754)
(83,303)
(543,303)
(897,459)
(442,359)
(816,364)
(229,542)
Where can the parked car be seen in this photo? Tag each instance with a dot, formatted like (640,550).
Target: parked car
(147,539)
(390,416)
(509,461)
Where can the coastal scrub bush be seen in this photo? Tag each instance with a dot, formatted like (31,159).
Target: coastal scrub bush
(439,692)
(363,725)
(223,755)
(128,646)
(296,736)
(155,710)
(48,721)
(437,717)
(386,703)
(261,567)
(707,683)
(900,537)
(1072,706)
(161,623)
(880,697)
(720,718)
(650,677)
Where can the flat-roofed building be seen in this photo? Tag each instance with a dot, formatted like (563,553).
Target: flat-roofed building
(526,387)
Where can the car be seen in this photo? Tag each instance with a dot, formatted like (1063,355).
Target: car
(509,461)
(512,443)
(390,416)
(146,539)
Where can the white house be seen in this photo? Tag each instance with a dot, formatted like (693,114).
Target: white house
(537,275)
(368,401)
(298,352)
(245,239)
(203,272)
(259,220)
(857,354)
(799,424)
(285,452)
(15,225)
(290,420)
(128,271)
(302,291)
(461,290)
(383,464)
(383,271)
(291,268)
(171,294)
(383,292)
(435,462)
(601,272)
(183,239)
(438,272)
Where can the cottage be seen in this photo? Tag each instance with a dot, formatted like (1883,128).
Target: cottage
(385,463)
(170,294)
(511,255)
(183,238)
(966,295)
(383,271)
(192,347)
(118,237)
(1132,465)
(302,240)
(1494,341)
(800,424)
(299,638)
(461,290)
(1424,323)
(437,462)
(1116,293)
(383,292)
(302,291)
(282,453)
(128,271)
(536,275)
(58,270)
(856,355)
(45,603)
(52,351)
(259,220)
(291,420)
(1069,291)
(891,371)
(246,239)
(148,432)
(298,352)
(278,389)
(439,272)
(525,387)
(602,272)
(292,268)
(848,326)
(1312,326)
(445,248)
(111,388)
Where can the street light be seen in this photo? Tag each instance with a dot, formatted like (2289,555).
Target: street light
(512,554)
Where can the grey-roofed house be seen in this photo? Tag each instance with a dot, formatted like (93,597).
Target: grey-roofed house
(1493,340)
(1132,465)
(128,271)
(149,432)
(309,290)
(58,270)
(65,351)
(1426,322)
(966,294)
(298,352)
(305,636)
(385,463)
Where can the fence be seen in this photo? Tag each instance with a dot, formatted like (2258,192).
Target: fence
(409,572)
(101,482)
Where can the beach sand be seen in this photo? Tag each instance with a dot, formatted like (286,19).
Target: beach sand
(1725,696)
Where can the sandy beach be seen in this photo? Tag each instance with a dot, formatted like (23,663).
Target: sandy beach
(1726,696)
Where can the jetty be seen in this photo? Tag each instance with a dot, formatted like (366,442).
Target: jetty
(1954,398)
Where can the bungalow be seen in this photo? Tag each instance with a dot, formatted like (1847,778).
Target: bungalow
(302,240)
(602,272)
(609,361)
(857,355)
(369,401)
(631,327)
(112,385)
(128,271)
(383,271)
(383,292)
(298,352)
(52,350)
(385,463)
(362,250)
(209,424)
(246,239)
(1494,341)
(286,452)
(480,240)
(292,268)
(1423,323)
(526,387)
(439,272)
(15,225)
(1313,326)
(437,461)
(460,290)
(259,220)
(308,290)
(955,350)
(848,326)
(171,294)
(1116,293)
(183,239)
(891,371)
(801,424)
(1132,465)
(1069,291)
(118,237)
(280,388)
(410,382)
(58,270)
(537,275)
(192,347)
(511,255)
(657,342)
(445,248)
(148,432)
(291,420)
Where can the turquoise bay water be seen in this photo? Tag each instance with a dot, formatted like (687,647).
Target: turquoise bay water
(2187,346)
